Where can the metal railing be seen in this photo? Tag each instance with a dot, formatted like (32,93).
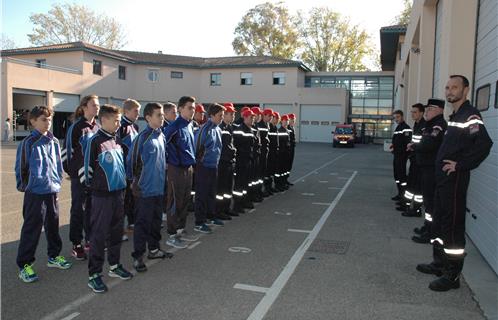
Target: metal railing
(41,65)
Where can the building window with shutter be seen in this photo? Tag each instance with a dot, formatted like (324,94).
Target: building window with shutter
(176,75)
(279,78)
(246,78)
(97,67)
(122,72)
(41,63)
(215,79)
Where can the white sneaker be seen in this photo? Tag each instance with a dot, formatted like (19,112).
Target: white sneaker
(176,242)
(125,237)
(184,236)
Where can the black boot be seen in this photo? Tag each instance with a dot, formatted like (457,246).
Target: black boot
(396,198)
(422,238)
(422,229)
(412,212)
(451,276)
(437,265)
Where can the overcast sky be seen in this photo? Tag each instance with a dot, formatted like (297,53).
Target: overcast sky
(194,28)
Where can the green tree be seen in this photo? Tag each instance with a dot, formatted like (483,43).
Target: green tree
(267,29)
(332,43)
(404,17)
(71,22)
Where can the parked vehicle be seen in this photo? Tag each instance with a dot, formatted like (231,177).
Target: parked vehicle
(344,135)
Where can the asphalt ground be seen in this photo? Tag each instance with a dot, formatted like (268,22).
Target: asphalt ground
(331,247)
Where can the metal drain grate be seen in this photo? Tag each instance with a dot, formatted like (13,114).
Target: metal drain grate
(329,246)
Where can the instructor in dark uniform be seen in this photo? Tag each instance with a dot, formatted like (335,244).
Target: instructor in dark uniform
(402,135)
(465,145)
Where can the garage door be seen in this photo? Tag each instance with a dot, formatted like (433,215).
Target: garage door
(483,190)
(63,102)
(318,121)
(437,48)
(280,108)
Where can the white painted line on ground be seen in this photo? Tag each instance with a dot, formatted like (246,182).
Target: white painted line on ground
(334,188)
(282,213)
(265,304)
(333,173)
(239,250)
(250,288)
(71,316)
(307,194)
(323,181)
(321,203)
(299,230)
(320,167)
(252,210)
(193,245)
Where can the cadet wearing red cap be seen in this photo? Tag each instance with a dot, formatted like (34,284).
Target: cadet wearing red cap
(283,153)
(226,166)
(264,128)
(256,180)
(272,167)
(243,138)
(292,136)
(199,119)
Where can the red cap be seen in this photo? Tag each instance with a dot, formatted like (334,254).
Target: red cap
(276,115)
(247,113)
(228,104)
(244,109)
(256,110)
(285,118)
(268,112)
(229,109)
(199,108)
(292,116)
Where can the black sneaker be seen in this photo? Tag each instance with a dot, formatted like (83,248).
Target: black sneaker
(248,205)
(203,228)
(78,252)
(120,272)
(421,230)
(96,284)
(223,216)
(159,254)
(139,265)
(233,214)
(396,198)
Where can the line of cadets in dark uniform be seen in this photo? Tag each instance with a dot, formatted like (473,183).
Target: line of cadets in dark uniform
(118,172)
(441,155)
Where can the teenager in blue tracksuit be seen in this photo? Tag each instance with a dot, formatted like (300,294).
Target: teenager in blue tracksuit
(181,157)
(127,133)
(83,128)
(208,151)
(104,174)
(39,175)
(147,170)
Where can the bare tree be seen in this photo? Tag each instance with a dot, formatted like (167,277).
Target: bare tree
(7,43)
(71,22)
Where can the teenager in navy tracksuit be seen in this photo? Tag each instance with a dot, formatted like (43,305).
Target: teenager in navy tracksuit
(83,128)
(127,132)
(104,174)
(39,175)
(170,115)
(147,169)
(181,157)
(208,151)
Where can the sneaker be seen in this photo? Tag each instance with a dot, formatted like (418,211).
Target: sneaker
(139,265)
(233,214)
(184,236)
(96,284)
(120,272)
(159,254)
(215,222)
(27,274)
(78,252)
(125,237)
(175,242)
(223,216)
(203,228)
(59,262)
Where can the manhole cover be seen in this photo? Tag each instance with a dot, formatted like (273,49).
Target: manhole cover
(329,246)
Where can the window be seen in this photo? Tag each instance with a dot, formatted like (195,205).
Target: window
(215,79)
(122,72)
(153,75)
(279,78)
(97,67)
(482,97)
(246,78)
(176,75)
(41,63)
(305,123)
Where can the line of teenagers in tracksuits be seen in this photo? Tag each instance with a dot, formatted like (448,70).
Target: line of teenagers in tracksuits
(442,154)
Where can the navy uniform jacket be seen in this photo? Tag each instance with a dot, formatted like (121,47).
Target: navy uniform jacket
(228,150)
(273,136)
(76,140)
(430,140)
(208,144)
(402,136)
(126,134)
(257,142)
(103,166)
(292,136)
(283,140)
(146,163)
(244,139)
(416,136)
(466,141)
(263,129)
(180,146)
(38,164)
